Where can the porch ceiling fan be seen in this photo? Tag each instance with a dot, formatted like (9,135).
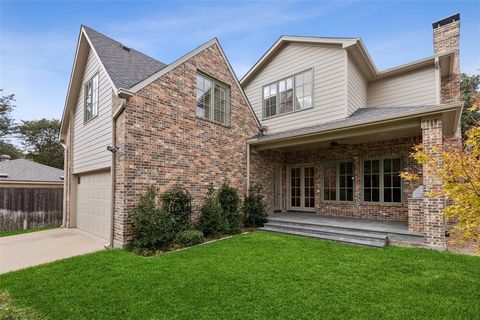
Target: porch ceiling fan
(335,145)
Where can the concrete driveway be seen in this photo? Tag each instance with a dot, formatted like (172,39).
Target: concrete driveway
(31,249)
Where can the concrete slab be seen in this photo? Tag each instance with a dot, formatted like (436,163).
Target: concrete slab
(31,249)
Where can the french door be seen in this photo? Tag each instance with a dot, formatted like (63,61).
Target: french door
(301,182)
(277,189)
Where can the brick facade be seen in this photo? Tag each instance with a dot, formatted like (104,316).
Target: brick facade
(162,142)
(434,223)
(447,38)
(416,217)
(263,162)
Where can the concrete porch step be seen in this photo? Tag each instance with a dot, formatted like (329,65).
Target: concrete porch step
(328,230)
(362,229)
(369,242)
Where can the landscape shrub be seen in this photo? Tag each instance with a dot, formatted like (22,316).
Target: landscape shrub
(146,218)
(177,203)
(255,214)
(212,221)
(189,238)
(230,201)
(157,226)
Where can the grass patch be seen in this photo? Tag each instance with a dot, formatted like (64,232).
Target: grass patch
(255,276)
(15,232)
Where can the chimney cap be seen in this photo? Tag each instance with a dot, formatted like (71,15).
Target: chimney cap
(4,157)
(445,21)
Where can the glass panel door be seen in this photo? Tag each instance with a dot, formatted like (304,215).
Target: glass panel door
(295,188)
(309,187)
(302,188)
(277,189)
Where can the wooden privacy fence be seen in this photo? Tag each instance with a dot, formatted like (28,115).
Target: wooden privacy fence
(25,208)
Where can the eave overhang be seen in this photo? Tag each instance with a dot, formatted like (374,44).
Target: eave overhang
(451,112)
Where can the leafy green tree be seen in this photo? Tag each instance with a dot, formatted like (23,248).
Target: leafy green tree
(468,90)
(10,149)
(6,119)
(41,143)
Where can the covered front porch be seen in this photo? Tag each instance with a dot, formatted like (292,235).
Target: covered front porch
(348,172)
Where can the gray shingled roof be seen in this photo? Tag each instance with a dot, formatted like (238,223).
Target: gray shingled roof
(126,68)
(361,116)
(28,171)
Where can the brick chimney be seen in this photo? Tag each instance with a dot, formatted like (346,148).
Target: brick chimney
(446,37)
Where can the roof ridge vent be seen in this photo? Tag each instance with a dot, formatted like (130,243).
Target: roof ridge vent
(124,47)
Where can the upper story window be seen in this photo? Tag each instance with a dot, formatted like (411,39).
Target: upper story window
(212,100)
(90,99)
(381,180)
(288,95)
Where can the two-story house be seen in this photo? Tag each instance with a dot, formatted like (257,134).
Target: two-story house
(322,131)
(337,132)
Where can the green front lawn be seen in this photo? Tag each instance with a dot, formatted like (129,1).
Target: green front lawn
(258,275)
(21,231)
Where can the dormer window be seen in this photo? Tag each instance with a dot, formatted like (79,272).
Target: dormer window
(90,99)
(291,94)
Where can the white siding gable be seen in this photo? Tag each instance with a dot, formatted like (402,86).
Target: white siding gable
(90,140)
(329,84)
(407,89)
(357,88)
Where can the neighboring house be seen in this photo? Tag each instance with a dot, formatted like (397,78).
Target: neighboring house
(322,129)
(31,194)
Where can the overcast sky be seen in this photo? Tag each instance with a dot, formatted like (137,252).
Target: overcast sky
(38,39)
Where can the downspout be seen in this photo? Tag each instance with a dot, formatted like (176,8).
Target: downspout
(248,167)
(112,175)
(64,216)
(112,184)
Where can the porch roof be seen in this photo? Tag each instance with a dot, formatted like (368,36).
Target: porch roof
(368,117)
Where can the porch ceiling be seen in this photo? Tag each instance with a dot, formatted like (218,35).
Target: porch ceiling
(370,126)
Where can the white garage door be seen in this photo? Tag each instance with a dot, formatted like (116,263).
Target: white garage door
(94,203)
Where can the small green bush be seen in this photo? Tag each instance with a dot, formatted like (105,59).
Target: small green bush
(156,227)
(9,311)
(146,218)
(255,214)
(189,237)
(230,201)
(212,221)
(177,203)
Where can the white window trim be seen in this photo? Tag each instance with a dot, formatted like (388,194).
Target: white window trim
(276,83)
(337,180)
(210,116)
(95,98)
(381,182)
